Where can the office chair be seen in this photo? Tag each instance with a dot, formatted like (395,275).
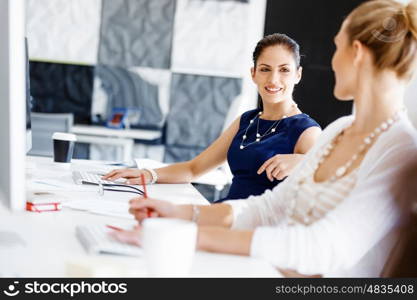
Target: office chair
(43,126)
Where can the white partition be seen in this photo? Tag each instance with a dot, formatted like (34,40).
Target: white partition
(13,99)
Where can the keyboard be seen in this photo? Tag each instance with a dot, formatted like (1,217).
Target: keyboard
(95,240)
(82,177)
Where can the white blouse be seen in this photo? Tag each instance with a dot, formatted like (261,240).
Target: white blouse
(353,220)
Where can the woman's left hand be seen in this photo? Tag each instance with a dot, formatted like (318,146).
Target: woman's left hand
(280,166)
(133,237)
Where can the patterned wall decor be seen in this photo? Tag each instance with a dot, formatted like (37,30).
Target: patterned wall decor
(179,61)
(137,33)
(198,107)
(209,37)
(63,31)
(119,87)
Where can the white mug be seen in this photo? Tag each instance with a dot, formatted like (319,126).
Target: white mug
(169,246)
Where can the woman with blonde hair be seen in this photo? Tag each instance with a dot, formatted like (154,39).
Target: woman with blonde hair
(336,215)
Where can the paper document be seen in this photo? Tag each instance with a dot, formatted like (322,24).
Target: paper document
(102,207)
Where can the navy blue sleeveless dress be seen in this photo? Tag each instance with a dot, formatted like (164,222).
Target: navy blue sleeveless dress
(244,163)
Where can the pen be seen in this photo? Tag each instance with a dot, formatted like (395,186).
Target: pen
(142,178)
(114,227)
(145,194)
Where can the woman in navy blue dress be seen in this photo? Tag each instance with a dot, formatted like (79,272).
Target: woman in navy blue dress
(262,146)
(261,165)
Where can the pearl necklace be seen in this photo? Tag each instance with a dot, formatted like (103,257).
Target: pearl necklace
(367,142)
(259,136)
(340,172)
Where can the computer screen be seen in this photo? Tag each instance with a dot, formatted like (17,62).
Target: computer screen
(13,104)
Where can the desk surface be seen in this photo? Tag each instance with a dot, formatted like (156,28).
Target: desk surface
(141,134)
(51,247)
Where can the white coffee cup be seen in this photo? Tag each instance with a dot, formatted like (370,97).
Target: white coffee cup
(63,147)
(169,246)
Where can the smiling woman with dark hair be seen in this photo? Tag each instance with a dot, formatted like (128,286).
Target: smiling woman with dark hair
(263,145)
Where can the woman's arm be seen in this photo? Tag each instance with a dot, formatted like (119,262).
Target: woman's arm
(307,140)
(183,172)
(281,165)
(238,242)
(266,209)
(222,240)
(210,158)
(205,215)
(213,239)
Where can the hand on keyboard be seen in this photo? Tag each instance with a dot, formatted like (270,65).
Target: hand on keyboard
(132,237)
(96,239)
(82,177)
(133,176)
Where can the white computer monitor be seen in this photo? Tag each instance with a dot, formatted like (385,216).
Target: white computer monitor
(13,104)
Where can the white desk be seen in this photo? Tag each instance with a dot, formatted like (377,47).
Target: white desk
(218,177)
(92,134)
(51,245)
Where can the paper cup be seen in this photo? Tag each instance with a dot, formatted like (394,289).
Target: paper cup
(169,246)
(63,147)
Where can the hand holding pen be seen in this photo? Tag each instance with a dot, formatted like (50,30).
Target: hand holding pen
(141,208)
(134,236)
(145,194)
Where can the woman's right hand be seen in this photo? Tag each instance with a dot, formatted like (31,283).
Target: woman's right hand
(133,236)
(132,175)
(139,207)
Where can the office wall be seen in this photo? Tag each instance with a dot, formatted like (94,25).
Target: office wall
(184,63)
(313,24)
